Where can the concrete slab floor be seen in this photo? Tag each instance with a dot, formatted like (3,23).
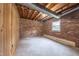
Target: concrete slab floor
(40,46)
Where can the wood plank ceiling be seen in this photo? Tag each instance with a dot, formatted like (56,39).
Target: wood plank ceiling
(27,13)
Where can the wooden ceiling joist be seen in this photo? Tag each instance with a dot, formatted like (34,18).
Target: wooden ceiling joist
(39,14)
(72,7)
(66,7)
(44,18)
(19,10)
(61,8)
(40,8)
(34,14)
(23,11)
(48,5)
(49,18)
(76,8)
(28,11)
(52,5)
(57,6)
(44,4)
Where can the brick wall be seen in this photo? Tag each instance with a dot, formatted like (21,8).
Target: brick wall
(69,28)
(30,28)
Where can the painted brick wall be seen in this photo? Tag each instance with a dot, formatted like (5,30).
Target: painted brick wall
(69,28)
(30,28)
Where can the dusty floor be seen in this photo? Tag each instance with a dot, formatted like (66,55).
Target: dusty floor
(40,46)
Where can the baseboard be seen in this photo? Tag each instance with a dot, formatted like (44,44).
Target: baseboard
(60,40)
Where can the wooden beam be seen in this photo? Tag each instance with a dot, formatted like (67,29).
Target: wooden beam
(43,4)
(69,11)
(66,7)
(33,15)
(61,7)
(29,13)
(51,5)
(40,8)
(74,6)
(20,10)
(47,19)
(39,14)
(26,12)
(43,18)
(40,17)
(57,6)
(48,5)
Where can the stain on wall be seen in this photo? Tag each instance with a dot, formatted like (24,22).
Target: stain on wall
(30,28)
(69,28)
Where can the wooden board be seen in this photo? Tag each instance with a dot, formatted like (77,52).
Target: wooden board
(9,28)
(1,29)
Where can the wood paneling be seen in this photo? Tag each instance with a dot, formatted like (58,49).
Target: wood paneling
(9,28)
(1,29)
(15,28)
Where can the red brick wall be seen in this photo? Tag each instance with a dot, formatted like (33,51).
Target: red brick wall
(30,28)
(69,28)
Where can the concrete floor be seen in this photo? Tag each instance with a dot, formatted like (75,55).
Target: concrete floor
(40,46)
